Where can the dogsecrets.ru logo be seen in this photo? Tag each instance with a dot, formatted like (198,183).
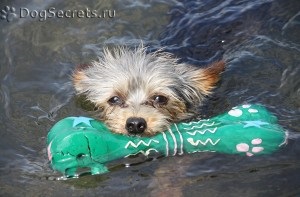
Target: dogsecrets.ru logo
(10,13)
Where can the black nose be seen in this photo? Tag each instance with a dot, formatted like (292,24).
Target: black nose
(136,125)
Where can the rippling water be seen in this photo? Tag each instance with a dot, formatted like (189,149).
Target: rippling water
(259,39)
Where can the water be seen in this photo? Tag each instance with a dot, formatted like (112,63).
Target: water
(259,40)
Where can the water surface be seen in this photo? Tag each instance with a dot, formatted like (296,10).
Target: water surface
(259,40)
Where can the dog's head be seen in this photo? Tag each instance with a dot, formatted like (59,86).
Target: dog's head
(142,94)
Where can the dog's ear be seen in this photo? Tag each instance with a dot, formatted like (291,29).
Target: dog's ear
(79,76)
(204,80)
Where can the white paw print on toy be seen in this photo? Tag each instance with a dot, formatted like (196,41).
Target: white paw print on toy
(250,110)
(235,112)
(238,112)
(245,148)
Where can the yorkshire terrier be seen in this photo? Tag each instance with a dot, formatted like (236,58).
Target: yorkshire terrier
(139,93)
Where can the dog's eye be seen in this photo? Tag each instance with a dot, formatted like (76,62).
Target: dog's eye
(160,100)
(115,100)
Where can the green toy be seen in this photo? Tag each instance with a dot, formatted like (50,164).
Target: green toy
(80,142)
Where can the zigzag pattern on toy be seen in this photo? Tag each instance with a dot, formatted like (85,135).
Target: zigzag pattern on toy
(80,142)
(201,132)
(130,143)
(197,142)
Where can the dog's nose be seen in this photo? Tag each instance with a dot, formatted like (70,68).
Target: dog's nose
(136,125)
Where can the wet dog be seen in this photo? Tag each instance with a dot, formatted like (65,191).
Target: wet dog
(142,94)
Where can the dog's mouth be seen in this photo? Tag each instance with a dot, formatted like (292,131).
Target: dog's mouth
(147,133)
(138,127)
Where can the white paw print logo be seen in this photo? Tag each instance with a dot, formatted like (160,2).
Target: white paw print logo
(8,13)
(245,148)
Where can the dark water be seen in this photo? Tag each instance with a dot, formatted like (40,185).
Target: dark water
(259,39)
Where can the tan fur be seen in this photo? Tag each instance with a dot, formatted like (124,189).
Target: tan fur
(136,78)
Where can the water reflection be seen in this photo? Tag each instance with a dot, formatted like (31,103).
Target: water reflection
(259,40)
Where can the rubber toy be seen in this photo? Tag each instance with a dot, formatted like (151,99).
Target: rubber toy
(81,142)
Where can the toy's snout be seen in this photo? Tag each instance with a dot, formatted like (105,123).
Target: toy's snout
(75,148)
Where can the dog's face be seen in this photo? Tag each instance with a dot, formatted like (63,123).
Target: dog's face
(142,94)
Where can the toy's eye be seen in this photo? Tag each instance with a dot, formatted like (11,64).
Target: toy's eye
(160,100)
(115,100)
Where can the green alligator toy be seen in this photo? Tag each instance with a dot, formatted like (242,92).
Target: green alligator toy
(80,142)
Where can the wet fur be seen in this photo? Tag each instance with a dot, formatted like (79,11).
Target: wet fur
(136,77)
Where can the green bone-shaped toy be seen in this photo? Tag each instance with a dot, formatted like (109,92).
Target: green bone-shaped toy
(78,142)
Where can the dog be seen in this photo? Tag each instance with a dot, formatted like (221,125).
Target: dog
(139,93)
